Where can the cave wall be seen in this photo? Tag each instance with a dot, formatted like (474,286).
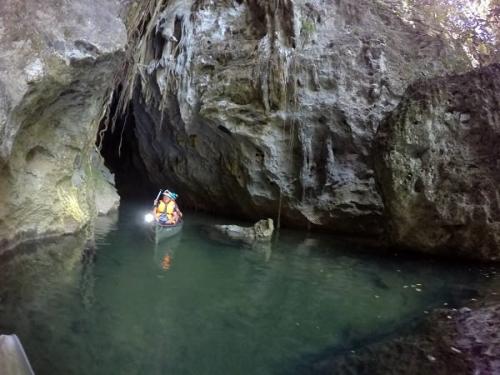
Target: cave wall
(57,60)
(438,165)
(260,107)
(250,108)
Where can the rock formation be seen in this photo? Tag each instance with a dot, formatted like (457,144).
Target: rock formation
(261,231)
(270,108)
(106,197)
(246,107)
(57,61)
(438,166)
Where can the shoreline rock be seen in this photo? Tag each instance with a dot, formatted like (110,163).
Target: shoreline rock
(260,232)
(449,342)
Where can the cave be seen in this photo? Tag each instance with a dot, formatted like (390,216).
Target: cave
(337,171)
(118,146)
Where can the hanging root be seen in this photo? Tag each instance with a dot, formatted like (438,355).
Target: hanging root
(104,119)
(141,21)
(121,135)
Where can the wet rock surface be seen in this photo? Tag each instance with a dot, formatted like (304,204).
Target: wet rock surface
(437,163)
(261,231)
(107,200)
(270,108)
(57,61)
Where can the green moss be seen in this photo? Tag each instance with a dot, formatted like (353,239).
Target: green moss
(308,27)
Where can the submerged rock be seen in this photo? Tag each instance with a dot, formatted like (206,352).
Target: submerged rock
(438,166)
(450,342)
(261,231)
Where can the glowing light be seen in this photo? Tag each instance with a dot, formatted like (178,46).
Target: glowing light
(148,218)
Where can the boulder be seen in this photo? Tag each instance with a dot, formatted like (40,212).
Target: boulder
(437,162)
(261,231)
(107,199)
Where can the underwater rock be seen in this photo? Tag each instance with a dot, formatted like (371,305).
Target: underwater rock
(450,342)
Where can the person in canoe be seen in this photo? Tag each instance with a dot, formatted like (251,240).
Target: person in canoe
(167,211)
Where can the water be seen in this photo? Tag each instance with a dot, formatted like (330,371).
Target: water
(193,306)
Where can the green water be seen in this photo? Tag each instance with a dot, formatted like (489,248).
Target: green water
(214,308)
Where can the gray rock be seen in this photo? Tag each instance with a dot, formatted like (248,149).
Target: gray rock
(438,166)
(57,61)
(107,199)
(262,111)
(262,231)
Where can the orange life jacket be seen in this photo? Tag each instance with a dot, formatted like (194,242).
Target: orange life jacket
(167,209)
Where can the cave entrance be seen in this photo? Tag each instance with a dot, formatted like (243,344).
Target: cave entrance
(120,149)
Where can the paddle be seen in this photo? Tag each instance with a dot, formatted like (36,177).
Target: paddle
(156,200)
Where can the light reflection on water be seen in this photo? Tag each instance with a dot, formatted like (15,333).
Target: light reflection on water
(193,306)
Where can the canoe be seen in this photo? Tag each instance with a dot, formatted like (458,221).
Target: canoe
(13,358)
(162,232)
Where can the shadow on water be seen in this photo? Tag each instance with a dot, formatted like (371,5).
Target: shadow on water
(191,305)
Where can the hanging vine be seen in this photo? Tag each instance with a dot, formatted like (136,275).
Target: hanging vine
(141,22)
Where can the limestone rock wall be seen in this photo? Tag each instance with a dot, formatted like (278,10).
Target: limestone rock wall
(260,107)
(57,60)
(438,160)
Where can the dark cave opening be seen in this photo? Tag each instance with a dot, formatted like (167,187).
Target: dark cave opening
(120,150)
(140,174)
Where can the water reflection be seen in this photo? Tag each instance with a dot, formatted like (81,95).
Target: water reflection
(34,284)
(164,251)
(191,305)
(215,237)
(104,225)
(87,279)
